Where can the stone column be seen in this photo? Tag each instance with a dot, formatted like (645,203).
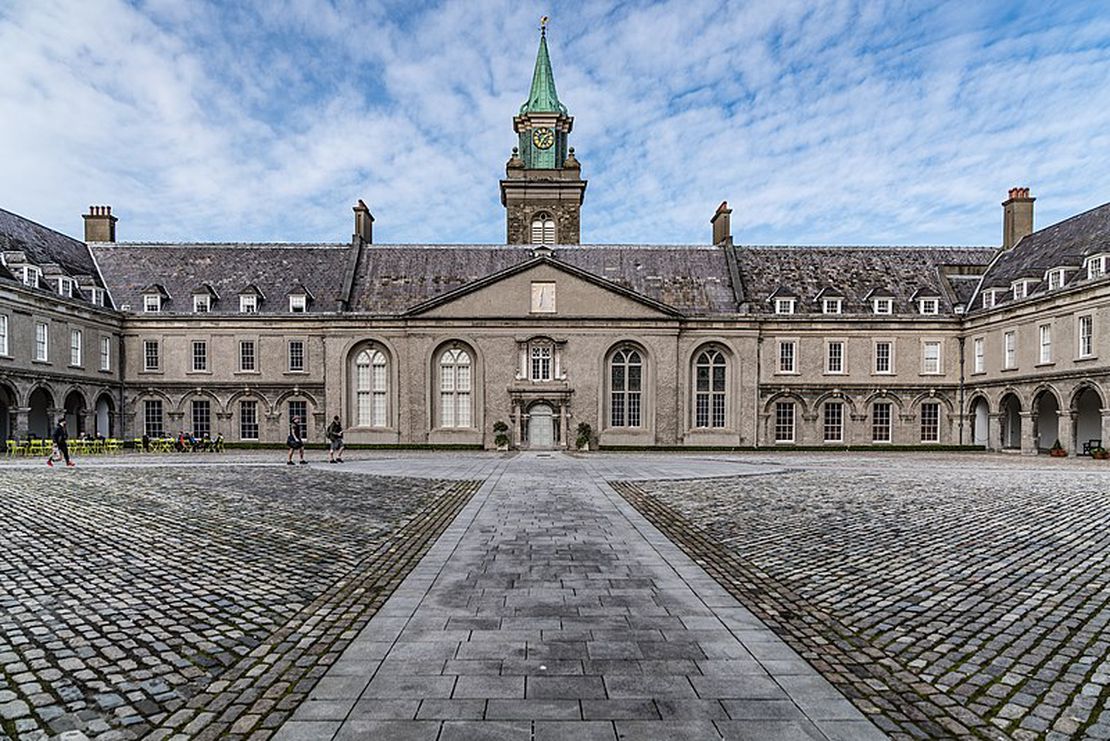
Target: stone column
(564,424)
(1028,439)
(1105,427)
(88,421)
(1065,430)
(514,425)
(21,422)
(995,425)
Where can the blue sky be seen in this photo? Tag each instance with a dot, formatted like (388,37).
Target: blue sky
(820,122)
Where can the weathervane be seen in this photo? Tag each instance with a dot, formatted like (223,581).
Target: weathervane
(543,25)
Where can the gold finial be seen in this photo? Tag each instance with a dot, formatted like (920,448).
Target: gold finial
(543,25)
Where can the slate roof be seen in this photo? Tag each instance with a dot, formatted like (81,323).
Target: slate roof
(1064,244)
(694,279)
(43,246)
(855,273)
(181,269)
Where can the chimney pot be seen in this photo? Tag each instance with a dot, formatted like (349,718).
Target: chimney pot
(100,225)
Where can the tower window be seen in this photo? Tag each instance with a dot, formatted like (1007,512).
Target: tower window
(543,229)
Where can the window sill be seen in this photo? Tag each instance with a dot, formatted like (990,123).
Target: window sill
(1009,370)
(105,370)
(198,373)
(296,373)
(1085,359)
(247,373)
(150,372)
(883,373)
(1048,364)
(36,361)
(76,367)
(787,373)
(979,373)
(931,374)
(835,373)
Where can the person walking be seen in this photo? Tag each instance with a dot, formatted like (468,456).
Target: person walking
(335,441)
(295,442)
(61,445)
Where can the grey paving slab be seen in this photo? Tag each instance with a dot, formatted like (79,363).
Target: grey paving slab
(551,609)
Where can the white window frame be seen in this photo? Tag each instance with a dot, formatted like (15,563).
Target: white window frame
(105,353)
(202,303)
(456,388)
(76,348)
(152,303)
(298,303)
(1044,334)
(875,358)
(253,356)
(251,404)
(832,306)
(785,425)
(883,306)
(96,296)
(1055,278)
(248,303)
(932,365)
(979,355)
(42,342)
(929,306)
(543,229)
(930,434)
(784,305)
(65,287)
(157,356)
(31,276)
(990,298)
(841,365)
(289,356)
(4,335)
(1085,340)
(541,362)
(1096,266)
(1009,350)
(838,425)
(710,389)
(1019,289)
(371,388)
(202,356)
(876,428)
(787,362)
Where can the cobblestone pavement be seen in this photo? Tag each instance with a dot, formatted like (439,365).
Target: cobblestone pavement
(952,595)
(550,609)
(202,600)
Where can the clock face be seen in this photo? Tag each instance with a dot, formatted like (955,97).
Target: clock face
(543,138)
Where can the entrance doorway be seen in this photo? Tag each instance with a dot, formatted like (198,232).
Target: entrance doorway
(541,427)
(980,416)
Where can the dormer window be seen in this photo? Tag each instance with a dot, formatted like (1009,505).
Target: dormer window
(883,305)
(202,303)
(65,287)
(1096,266)
(96,296)
(990,298)
(248,303)
(298,303)
(31,276)
(832,306)
(152,303)
(1055,279)
(543,229)
(784,306)
(929,306)
(1020,289)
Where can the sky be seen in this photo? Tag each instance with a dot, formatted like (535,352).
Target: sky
(819,121)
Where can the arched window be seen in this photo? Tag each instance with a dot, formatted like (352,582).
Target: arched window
(454,388)
(709,389)
(626,384)
(543,229)
(371,387)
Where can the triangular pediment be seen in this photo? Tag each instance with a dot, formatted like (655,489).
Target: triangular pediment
(543,288)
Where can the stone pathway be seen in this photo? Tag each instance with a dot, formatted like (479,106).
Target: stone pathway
(550,609)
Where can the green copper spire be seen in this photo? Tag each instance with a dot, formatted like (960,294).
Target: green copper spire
(543,98)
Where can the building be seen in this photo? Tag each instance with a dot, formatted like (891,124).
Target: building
(719,344)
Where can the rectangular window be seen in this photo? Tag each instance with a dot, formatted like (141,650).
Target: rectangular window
(1086,336)
(787,357)
(248,420)
(1096,267)
(784,306)
(97,296)
(298,302)
(31,276)
(3,334)
(152,303)
(200,355)
(105,353)
(1020,290)
(152,418)
(784,422)
(246,356)
(834,422)
(880,422)
(834,362)
(150,355)
(930,422)
(831,306)
(930,358)
(75,354)
(883,353)
(65,287)
(1009,350)
(202,418)
(929,306)
(42,341)
(541,363)
(988,299)
(1046,343)
(202,303)
(248,303)
(883,306)
(296,356)
(1055,279)
(299,409)
(980,355)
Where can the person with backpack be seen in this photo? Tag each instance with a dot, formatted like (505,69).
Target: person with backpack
(295,442)
(334,434)
(61,445)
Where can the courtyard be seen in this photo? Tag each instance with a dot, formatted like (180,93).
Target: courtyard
(545,596)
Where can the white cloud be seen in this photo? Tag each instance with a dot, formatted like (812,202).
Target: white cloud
(835,122)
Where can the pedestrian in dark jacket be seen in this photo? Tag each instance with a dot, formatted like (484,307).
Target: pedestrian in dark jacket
(335,441)
(61,445)
(295,442)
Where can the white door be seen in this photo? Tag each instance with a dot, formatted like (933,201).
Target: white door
(541,427)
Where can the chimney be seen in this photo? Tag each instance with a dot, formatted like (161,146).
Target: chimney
(1017,217)
(100,225)
(364,223)
(722,228)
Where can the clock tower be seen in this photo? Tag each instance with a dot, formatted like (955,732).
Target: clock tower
(543,189)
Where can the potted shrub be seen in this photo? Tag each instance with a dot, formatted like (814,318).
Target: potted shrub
(501,435)
(1057,450)
(585,432)
(1100,454)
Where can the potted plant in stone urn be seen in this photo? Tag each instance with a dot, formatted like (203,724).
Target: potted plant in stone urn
(501,435)
(1057,450)
(585,433)
(1100,454)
